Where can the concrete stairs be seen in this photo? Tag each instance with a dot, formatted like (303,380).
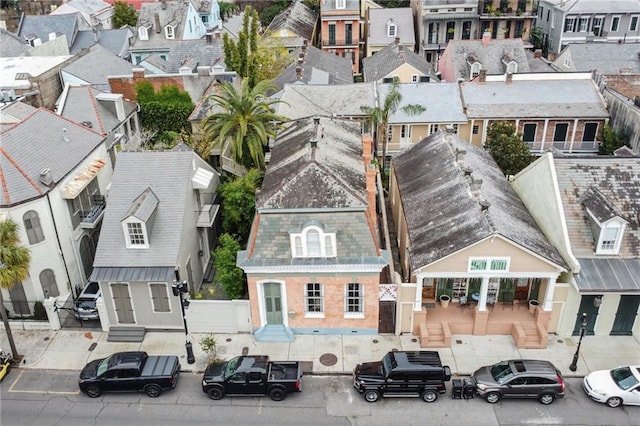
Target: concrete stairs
(118,333)
(435,335)
(273,333)
(529,336)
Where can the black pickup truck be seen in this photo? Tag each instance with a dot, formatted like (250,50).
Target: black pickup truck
(130,371)
(402,374)
(252,375)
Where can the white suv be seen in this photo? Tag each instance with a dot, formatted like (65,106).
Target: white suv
(85,306)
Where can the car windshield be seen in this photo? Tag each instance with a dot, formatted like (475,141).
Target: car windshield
(230,367)
(623,377)
(386,364)
(103,365)
(501,372)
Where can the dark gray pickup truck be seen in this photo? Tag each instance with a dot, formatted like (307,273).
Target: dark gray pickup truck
(252,375)
(130,372)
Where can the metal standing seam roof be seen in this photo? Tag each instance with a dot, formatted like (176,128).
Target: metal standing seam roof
(307,100)
(609,275)
(441,101)
(443,212)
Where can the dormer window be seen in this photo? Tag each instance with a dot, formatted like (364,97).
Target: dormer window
(341,4)
(313,242)
(138,221)
(143,32)
(136,234)
(607,224)
(512,67)
(392,28)
(170,32)
(610,237)
(475,70)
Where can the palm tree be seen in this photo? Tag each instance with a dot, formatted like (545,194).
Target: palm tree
(379,115)
(14,267)
(246,120)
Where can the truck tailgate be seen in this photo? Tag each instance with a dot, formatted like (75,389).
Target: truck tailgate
(160,365)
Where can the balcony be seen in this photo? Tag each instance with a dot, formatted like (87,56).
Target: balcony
(345,42)
(89,219)
(207,215)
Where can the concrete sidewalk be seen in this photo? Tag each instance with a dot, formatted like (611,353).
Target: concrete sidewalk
(72,349)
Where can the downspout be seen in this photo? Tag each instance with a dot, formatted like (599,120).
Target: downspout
(64,261)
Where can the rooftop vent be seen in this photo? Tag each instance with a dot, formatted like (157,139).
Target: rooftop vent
(87,124)
(45,177)
(484,205)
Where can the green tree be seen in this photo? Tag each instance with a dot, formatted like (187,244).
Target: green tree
(239,204)
(537,38)
(271,11)
(227,273)
(14,268)
(124,15)
(227,9)
(379,115)
(612,140)
(507,148)
(246,120)
(165,112)
(242,56)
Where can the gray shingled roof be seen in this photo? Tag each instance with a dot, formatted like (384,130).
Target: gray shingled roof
(444,215)
(43,25)
(82,105)
(330,176)
(168,174)
(330,6)
(12,45)
(41,141)
(317,67)
(402,17)
(184,52)
(442,102)
(490,56)
(115,41)
(97,65)
(389,59)
(596,6)
(169,12)
(297,18)
(606,58)
(307,100)
(534,99)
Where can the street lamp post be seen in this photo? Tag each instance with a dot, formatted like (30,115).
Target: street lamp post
(583,328)
(179,289)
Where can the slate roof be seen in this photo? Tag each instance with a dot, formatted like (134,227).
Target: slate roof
(391,58)
(41,141)
(41,26)
(442,102)
(330,6)
(115,41)
(12,45)
(596,6)
(534,99)
(96,66)
(307,100)
(606,58)
(318,67)
(444,215)
(89,6)
(174,13)
(297,18)
(168,175)
(14,112)
(194,52)
(82,104)
(490,56)
(330,176)
(402,17)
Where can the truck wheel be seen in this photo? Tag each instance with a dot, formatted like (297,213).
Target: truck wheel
(215,393)
(153,391)
(493,397)
(429,396)
(371,395)
(93,392)
(277,394)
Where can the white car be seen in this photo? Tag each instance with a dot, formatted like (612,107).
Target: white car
(614,387)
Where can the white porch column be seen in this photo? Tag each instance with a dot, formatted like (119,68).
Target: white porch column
(417,306)
(484,289)
(548,295)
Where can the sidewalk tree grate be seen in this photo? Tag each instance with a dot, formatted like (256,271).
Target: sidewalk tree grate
(328,360)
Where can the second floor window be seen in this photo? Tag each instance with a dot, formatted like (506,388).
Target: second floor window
(341,4)
(348,33)
(313,242)
(332,34)
(32,226)
(615,24)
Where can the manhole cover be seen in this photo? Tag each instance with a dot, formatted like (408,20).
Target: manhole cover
(228,339)
(414,340)
(328,360)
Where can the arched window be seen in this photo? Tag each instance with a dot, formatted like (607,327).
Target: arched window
(48,283)
(32,227)
(313,241)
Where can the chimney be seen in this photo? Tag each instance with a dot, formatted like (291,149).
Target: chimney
(300,57)
(476,184)
(157,20)
(482,77)
(209,38)
(164,4)
(138,74)
(400,48)
(304,46)
(95,35)
(397,41)
(45,177)
(370,176)
(460,153)
(509,78)
(298,72)
(367,149)
(467,171)
(537,53)
(486,38)
(314,138)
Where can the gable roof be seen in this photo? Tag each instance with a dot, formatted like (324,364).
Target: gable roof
(169,12)
(490,55)
(307,100)
(41,26)
(297,18)
(329,176)
(441,101)
(534,98)
(96,66)
(595,6)
(12,45)
(167,174)
(115,41)
(402,17)
(40,141)
(606,58)
(391,58)
(317,67)
(443,210)
(88,6)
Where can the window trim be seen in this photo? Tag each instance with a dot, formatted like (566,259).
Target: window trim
(127,235)
(616,19)
(169,32)
(307,297)
(360,297)
(35,233)
(300,245)
(634,19)
(490,262)
(616,223)
(341,4)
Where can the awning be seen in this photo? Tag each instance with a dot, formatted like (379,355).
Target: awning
(609,275)
(80,181)
(134,274)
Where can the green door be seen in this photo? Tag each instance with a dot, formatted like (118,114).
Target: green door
(273,303)
(587,306)
(626,316)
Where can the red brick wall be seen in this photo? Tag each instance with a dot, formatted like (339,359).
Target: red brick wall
(126,85)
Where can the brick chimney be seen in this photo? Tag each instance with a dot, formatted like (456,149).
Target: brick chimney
(157,22)
(486,38)
(482,77)
(509,78)
(298,72)
(537,53)
(371,193)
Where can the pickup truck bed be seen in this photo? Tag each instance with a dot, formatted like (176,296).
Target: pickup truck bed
(285,370)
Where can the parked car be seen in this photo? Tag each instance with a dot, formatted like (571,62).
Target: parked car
(130,371)
(402,374)
(85,306)
(520,378)
(252,375)
(614,387)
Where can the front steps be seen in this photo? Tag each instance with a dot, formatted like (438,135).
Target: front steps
(273,333)
(435,335)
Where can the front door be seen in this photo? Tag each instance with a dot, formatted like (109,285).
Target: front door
(273,303)
(625,316)
(387,316)
(122,303)
(587,306)
(428,289)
